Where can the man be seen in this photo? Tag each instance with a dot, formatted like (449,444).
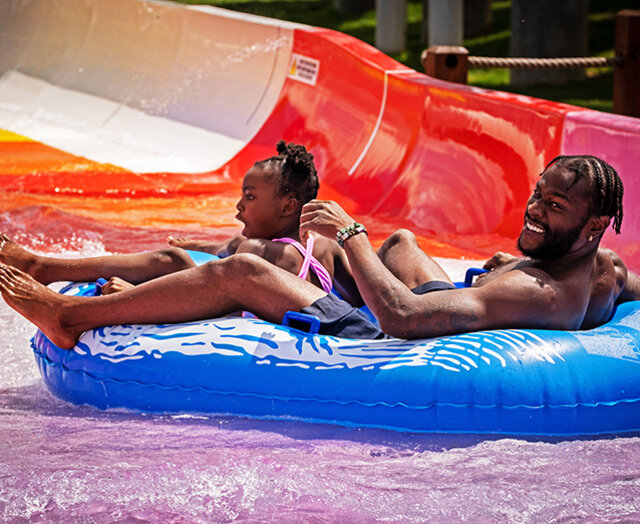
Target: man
(564,282)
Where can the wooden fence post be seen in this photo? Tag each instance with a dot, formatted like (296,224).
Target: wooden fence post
(626,76)
(446,63)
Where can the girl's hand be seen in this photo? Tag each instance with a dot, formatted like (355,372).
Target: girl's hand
(193,245)
(114,285)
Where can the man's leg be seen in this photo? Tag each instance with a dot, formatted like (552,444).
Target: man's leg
(134,268)
(240,282)
(401,254)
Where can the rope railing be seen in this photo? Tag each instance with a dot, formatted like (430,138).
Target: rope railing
(452,63)
(543,63)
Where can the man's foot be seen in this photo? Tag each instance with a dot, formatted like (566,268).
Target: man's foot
(37,303)
(14,255)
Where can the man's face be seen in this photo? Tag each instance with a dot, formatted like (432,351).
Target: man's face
(556,214)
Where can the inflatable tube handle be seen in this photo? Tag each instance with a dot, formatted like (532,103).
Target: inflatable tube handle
(309,324)
(473,272)
(98,289)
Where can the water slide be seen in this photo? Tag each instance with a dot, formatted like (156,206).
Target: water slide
(127,119)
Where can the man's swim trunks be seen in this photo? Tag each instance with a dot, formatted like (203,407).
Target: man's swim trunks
(340,319)
(434,285)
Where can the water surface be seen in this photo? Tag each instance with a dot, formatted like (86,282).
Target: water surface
(62,463)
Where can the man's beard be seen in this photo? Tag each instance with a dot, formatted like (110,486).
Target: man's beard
(555,244)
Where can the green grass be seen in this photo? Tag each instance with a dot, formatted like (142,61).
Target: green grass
(594,91)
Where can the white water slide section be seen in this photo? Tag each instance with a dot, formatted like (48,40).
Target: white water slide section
(149,86)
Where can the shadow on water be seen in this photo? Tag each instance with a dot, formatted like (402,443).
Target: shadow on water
(35,399)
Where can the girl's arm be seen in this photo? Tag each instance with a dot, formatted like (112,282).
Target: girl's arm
(221,249)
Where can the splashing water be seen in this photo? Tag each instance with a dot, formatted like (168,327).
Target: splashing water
(61,463)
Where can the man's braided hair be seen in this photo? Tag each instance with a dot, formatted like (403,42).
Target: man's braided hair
(608,188)
(293,170)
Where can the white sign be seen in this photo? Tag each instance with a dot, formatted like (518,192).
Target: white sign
(304,69)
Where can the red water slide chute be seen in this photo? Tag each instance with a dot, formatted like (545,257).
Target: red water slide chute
(154,100)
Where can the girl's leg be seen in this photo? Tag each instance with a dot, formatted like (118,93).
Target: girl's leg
(240,282)
(134,268)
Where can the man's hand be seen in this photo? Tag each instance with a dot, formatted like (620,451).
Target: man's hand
(497,260)
(324,217)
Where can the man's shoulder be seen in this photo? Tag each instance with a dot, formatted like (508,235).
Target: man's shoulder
(610,266)
(608,259)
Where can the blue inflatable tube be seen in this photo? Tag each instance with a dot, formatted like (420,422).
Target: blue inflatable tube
(516,382)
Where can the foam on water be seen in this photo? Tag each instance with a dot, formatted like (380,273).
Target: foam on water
(64,463)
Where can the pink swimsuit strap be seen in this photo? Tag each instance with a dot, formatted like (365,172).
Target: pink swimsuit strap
(310,262)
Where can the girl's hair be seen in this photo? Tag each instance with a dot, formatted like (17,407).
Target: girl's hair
(293,171)
(608,189)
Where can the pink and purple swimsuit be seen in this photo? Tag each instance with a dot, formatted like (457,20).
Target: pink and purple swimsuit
(310,262)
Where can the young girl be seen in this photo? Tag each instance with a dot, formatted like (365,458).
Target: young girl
(273,193)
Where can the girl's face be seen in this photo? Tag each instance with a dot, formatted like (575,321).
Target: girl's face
(261,207)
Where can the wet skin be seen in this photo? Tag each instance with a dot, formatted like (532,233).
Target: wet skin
(550,293)
(264,213)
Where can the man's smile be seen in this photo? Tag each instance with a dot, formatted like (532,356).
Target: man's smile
(534,228)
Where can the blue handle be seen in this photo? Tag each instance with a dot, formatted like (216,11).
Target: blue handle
(301,322)
(98,289)
(473,272)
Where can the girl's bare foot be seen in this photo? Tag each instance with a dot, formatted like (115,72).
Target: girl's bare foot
(39,304)
(14,255)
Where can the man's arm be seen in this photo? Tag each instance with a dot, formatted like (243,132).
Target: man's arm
(344,282)
(376,284)
(524,298)
(516,299)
